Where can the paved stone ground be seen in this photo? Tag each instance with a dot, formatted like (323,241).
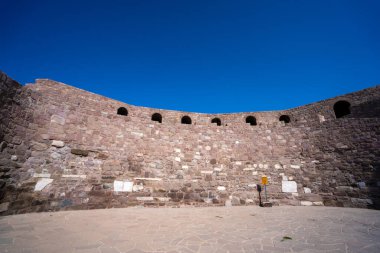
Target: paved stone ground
(216,229)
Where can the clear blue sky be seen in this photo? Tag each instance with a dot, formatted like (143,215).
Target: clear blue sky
(201,56)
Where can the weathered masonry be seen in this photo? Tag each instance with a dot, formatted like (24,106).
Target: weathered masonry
(64,148)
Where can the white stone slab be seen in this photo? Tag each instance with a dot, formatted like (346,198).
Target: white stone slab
(58,144)
(206,172)
(307,190)
(137,134)
(118,186)
(295,166)
(321,118)
(221,188)
(144,198)
(289,186)
(306,203)
(122,186)
(163,199)
(127,186)
(46,175)
(148,178)
(74,176)
(42,183)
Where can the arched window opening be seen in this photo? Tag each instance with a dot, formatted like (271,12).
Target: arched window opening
(342,108)
(217,121)
(122,111)
(251,120)
(285,118)
(186,120)
(157,117)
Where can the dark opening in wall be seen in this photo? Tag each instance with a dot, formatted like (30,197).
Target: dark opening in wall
(157,117)
(186,120)
(285,118)
(122,111)
(342,108)
(251,120)
(217,121)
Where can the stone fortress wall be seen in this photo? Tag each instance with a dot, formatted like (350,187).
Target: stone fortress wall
(64,148)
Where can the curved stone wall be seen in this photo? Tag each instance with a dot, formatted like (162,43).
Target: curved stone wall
(65,148)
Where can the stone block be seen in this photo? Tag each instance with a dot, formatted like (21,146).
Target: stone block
(163,199)
(307,190)
(122,186)
(39,146)
(58,144)
(289,186)
(306,203)
(221,188)
(235,201)
(144,198)
(137,187)
(74,176)
(46,175)
(42,183)
(57,119)
(148,178)
(79,152)
(249,201)
(267,204)
(4,207)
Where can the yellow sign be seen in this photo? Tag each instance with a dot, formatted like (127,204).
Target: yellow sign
(264,180)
